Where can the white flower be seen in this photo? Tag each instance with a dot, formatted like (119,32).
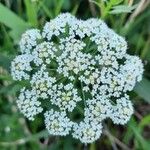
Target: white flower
(131,71)
(66,97)
(58,25)
(72,59)
(44,53)
(57,123)
(28,104)
(20,67)
(122,111)
(29,40)
(42,82)
(87,132)
(98,108)
(90,77)
(71,63)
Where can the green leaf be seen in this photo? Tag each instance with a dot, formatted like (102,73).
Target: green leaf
(142,141)
(68,143)
(31,12)
(145,52)
(58,7)
(75,9)
(67,5)
(122,9)
(116,2)
(92,146)
(145,121)
(11,89)
(34,137)
(11,20)
(45,9)
(128,135)
(6,77)
(96,3)
(5,61)
(143,89)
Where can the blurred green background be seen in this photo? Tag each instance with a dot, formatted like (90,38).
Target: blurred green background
(129,18)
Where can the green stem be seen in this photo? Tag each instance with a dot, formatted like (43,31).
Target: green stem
(24,140)
(83,94)
(145,49)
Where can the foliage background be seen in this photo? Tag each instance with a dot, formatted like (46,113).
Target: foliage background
(129,18)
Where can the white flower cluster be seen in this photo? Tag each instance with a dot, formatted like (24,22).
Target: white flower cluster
(42,83)
(43,53)
(71,65)
(87,132)
(57,123)
(65,97)
(20,67)
(122,111)
(29,40)
(28,103)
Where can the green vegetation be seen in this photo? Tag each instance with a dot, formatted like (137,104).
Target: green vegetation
(129,18)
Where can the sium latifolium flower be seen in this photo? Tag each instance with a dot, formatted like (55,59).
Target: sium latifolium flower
(73,65)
